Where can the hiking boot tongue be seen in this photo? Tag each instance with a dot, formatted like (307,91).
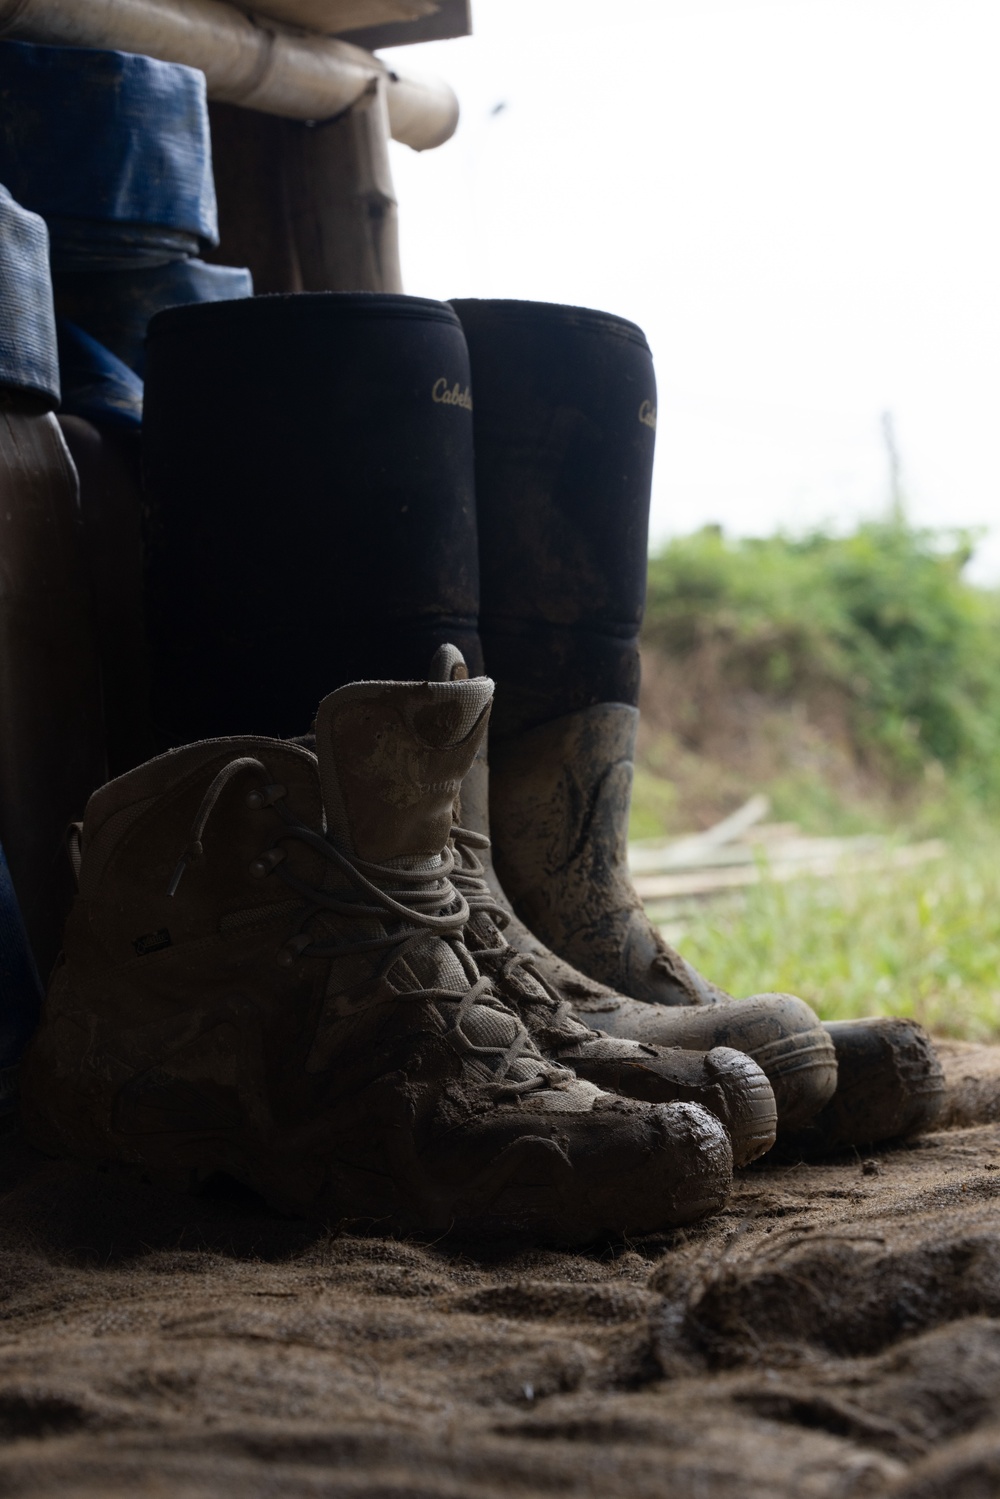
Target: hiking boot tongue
(392,756)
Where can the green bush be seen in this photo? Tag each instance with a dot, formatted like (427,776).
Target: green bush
(884,615)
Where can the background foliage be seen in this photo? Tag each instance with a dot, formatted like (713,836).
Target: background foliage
(884,615)
(857,680)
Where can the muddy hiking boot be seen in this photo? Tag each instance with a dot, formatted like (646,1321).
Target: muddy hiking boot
(564,427)
(725,1081)
(264,976)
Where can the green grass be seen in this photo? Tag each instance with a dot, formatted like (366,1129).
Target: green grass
(921,942)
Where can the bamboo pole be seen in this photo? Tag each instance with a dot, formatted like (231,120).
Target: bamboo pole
(330,17)
(341,202)
(261,65)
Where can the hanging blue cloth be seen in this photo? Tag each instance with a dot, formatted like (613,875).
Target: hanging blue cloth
(95,383)
(104,140)
(116,306)
(28,359)
(20,989)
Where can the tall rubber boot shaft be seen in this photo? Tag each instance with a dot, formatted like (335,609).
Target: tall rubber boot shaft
(565,412)
(309,468)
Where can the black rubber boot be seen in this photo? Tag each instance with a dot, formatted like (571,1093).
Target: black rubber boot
(564,425)
(309,470)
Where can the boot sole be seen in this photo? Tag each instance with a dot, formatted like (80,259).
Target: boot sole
(779,1032)
(561,1179)
(891,1087)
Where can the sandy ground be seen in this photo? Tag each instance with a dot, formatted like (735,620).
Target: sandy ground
(836,1331)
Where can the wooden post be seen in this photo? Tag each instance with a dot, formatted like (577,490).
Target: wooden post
(341,200)
(308,207)
(249,153)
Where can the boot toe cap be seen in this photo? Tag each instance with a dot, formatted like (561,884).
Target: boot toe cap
(890,1085)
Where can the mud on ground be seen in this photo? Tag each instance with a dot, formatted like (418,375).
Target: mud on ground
(835,1332)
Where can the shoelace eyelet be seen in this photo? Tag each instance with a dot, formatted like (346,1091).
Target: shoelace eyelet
(288,955)
(265,796)
(263,865)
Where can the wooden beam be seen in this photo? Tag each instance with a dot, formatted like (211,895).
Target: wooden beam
(307,208)
(250,154)
(247,60)
(373,23)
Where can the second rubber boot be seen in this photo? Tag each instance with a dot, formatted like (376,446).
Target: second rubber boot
(565,414)
(265,976)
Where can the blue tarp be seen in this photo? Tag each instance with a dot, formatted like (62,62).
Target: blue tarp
(116,306)
(28,359)
(95,384)
(108,137)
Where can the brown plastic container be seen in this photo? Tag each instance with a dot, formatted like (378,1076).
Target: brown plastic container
(51,730)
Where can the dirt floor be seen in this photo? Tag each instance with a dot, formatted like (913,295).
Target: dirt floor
(836,1331)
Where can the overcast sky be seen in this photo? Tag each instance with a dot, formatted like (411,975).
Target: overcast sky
(796,199)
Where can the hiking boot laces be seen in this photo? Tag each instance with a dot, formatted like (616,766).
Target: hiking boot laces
(424,903)
(469,878)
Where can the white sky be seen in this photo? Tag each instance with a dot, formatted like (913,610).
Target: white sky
(798,200)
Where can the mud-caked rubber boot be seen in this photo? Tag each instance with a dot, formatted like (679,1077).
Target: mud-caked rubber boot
(891,1087)
(265,976)
(726,1082)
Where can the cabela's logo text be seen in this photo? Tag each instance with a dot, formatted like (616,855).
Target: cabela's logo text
(451,395)
(647,414)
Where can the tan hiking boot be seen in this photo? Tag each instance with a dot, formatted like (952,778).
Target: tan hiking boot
(725,1081)
(264,975)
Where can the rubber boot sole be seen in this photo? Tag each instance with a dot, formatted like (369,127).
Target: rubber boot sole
(891,1087)
(779,1032)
